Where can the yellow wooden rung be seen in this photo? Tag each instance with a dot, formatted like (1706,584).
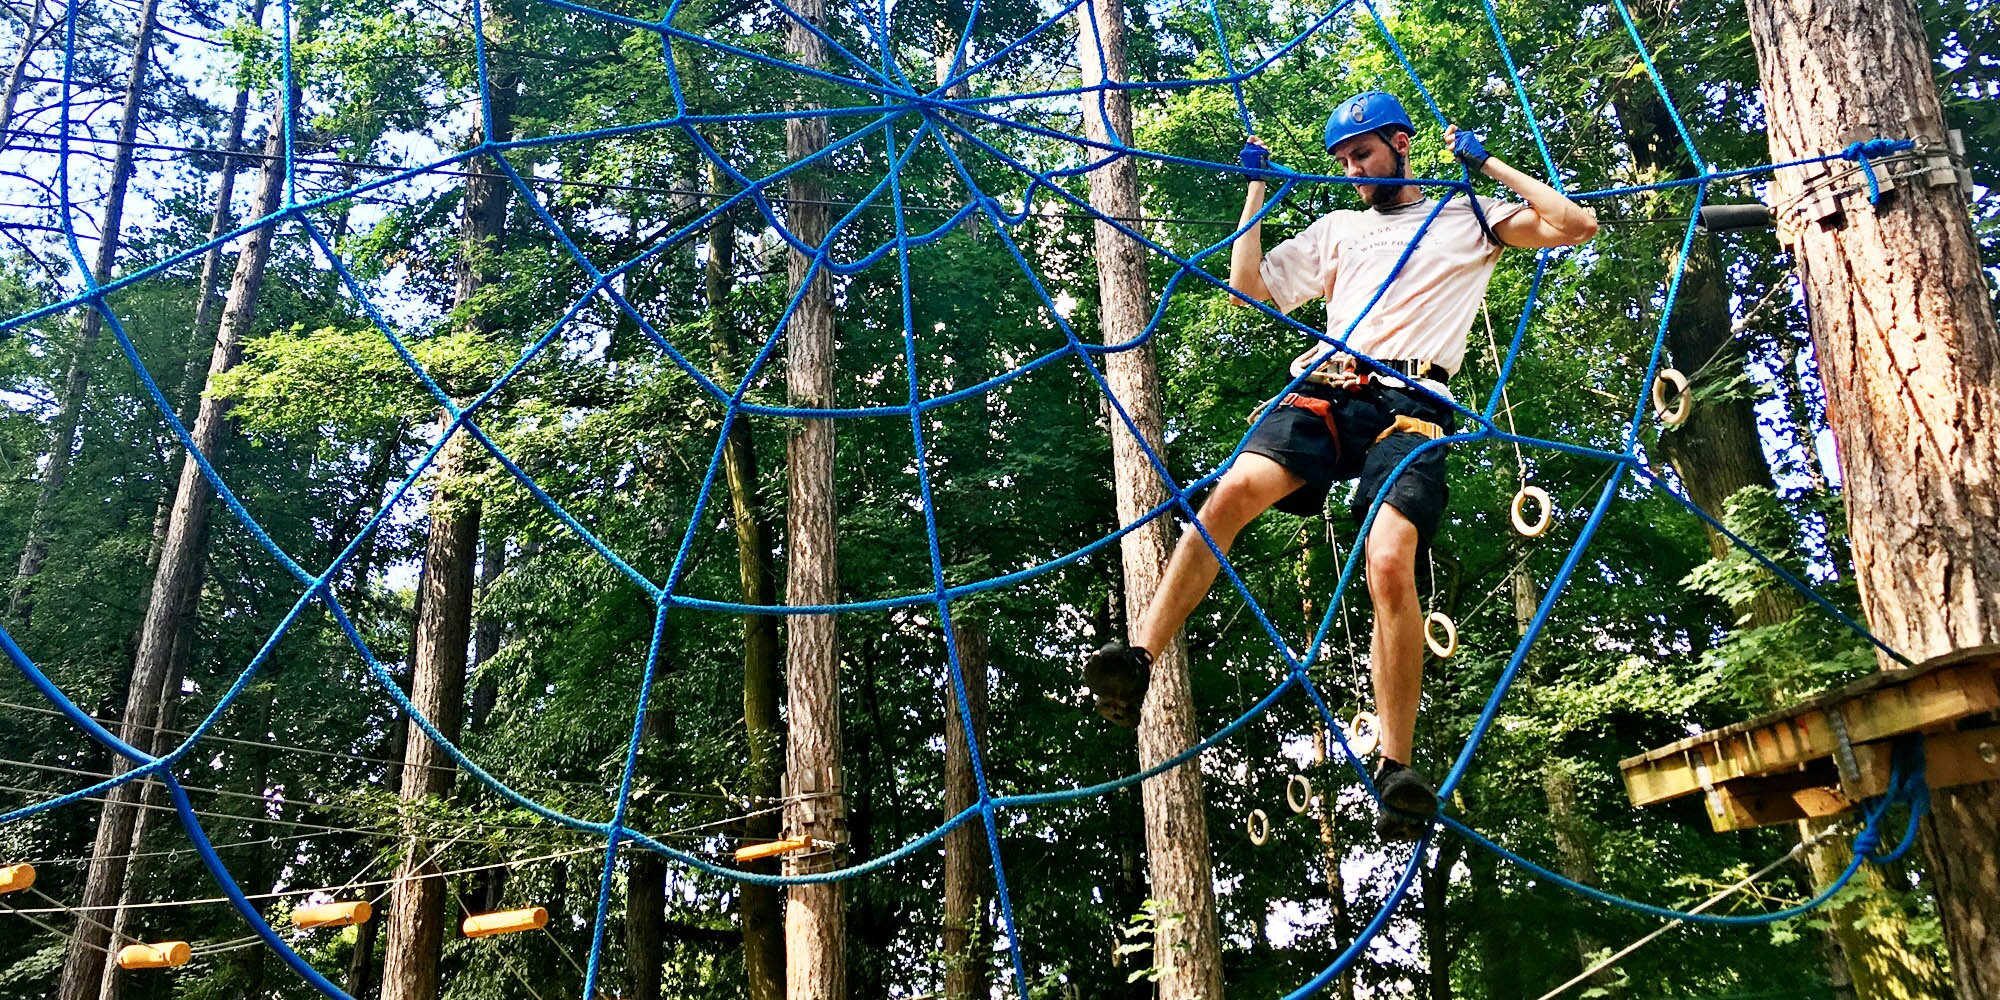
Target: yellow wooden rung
(775,847)
(15,878)
(161,955)
(506,922)
(332,914)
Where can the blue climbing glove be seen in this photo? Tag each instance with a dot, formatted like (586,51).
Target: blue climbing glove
(1467,149)
(1254,157)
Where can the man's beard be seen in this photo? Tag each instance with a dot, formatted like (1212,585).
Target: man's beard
(1386,195)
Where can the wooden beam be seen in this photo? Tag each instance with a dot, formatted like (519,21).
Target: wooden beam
(1929,697)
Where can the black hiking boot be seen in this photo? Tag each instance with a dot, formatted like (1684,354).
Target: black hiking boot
(1117,675)
(1408,801)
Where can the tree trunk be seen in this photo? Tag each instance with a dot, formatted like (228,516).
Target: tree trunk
(1440,946)
(218,223)
(1717,453)
(486,632)
(176,587)
(1342,924)
(965,857)
(69,409)
(437,689)
(646,892)
(1578,861)
(444,618)
(1908,351)
(153,796)
(760,907)
(1187,950)
(17,73)
(815,922)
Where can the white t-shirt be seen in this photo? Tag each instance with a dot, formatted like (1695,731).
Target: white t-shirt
(1424,314)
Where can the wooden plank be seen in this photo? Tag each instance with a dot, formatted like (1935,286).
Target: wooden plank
(1925,698)
(1766,801)
(1816,790)
(1987,657)
(1962,758)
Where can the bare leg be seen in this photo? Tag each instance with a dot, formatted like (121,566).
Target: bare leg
(1396,650)
(1248,489)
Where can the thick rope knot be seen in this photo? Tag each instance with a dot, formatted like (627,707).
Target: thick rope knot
(1861,151)
(1868,841)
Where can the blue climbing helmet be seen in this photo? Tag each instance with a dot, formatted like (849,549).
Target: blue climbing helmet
(1368,111)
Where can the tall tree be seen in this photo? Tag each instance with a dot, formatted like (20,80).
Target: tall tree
(34,31)
(1910,358)
(760,907)
(815,921)
(1187,947)
(444,620)
(176,587)
(69,411)
(965,857)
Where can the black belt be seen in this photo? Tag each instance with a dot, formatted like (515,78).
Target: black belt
(1414,368)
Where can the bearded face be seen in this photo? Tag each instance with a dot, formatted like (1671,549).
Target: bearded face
(1372,155)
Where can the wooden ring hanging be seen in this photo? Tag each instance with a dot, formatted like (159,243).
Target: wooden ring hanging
(1299,793)
(1364,734)
(1683,402)
(1449,645)
(1545,507)
(1258,826)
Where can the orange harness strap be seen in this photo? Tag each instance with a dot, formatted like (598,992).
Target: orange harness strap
(1413,426)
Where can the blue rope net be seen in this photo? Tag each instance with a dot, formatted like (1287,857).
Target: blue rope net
(886,108)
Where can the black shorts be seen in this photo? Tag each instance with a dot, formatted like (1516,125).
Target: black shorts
(1299,440)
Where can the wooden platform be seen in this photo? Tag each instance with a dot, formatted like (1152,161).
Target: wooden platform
(1828,754)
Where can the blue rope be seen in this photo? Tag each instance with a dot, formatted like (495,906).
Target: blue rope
(885,96)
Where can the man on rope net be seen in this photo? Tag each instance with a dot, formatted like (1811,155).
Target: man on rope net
(1346,423)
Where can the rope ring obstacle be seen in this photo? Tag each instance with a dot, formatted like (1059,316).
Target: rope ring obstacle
(1299,793)
(1258,826)
(1449,644)
(1678,413)
(1364,734)
(1545,508)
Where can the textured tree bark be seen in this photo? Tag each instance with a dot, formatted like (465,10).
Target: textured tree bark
(176,587)
(1908,351)
(815,918)
(1342,924)
(1717,453)
(444,618)
(416,915)
(1188,948)
(646,894)
(32,37)
(1579,861)
(965,856)
(486,632)
(69,408)
(760,907)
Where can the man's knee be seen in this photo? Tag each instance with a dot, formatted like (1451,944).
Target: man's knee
(1243,493)
(1392,554)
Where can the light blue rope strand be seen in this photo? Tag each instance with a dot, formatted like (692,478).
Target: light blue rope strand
(954,668)
(616,832)
(97,295)
(1229,67)
(1666,321)
(1660,86)
(1521,93)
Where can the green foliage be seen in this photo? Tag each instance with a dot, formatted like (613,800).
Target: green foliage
(327,420)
